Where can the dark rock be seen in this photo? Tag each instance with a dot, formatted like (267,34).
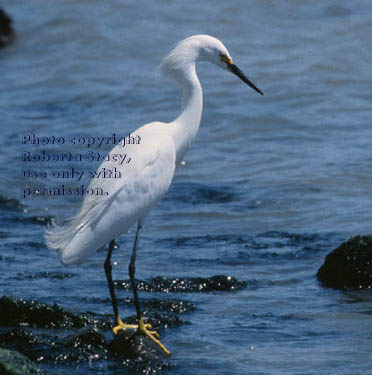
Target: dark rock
(14,363)
(7,34)
(186,285)
(170,305)
(137,353)
(349,266)
(88,338)
(157,319)
(21,320)
(128,344)
(24,341)
(86,345)
(17,311)
(10,203)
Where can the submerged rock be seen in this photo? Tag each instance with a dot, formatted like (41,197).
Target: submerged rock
(14,363)
(349,266)
(10,204)
(186,285)
(196,193)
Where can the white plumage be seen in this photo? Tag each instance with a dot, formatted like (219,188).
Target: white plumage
(147,177)
(143,182)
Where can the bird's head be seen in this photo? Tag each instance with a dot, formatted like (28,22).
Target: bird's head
(213,50)
(203,48)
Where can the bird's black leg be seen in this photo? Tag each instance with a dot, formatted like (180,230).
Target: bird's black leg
(132,271)
(142,328)
(108,272)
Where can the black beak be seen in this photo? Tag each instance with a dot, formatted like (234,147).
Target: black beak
(234,69)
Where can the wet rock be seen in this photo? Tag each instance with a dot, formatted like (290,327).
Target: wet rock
(24,341)
(135,352)
(21,321)
(14,363)
(17,311)
(349,266)
(128,344)
(88,337)
(7,34)
(170,305)
(89,344)
(186,285)
(86,345)
(157,320)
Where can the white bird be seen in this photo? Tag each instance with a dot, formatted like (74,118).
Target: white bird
(145,180)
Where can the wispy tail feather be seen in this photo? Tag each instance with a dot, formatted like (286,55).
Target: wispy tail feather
(59,235)
(73,239)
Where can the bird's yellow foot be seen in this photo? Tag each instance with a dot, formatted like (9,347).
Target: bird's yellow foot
(152,335)
(120,325)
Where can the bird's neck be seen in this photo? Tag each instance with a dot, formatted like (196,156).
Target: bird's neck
(186,125)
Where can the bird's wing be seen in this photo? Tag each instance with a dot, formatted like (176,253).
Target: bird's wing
(143,182)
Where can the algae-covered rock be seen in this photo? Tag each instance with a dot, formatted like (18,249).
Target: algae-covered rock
(17,311)
(14,363)
(349,266)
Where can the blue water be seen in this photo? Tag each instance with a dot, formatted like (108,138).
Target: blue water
(268,188)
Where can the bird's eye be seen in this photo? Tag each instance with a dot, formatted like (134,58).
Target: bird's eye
(224,58)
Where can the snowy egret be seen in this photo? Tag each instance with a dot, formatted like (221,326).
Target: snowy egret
(147,177)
